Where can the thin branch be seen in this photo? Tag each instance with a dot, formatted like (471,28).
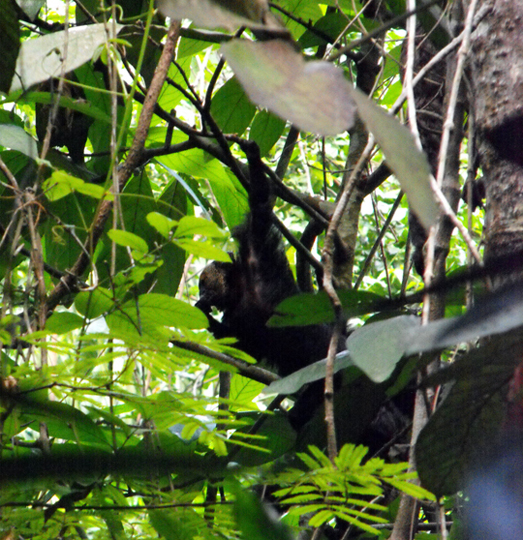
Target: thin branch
(249,370)
(378,31)
(328,284)
(378,241)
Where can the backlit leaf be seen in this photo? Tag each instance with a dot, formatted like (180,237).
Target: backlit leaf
(315,96)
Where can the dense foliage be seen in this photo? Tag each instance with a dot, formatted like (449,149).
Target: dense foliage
(122,176)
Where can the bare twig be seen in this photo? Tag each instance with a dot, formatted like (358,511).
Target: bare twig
(328,265)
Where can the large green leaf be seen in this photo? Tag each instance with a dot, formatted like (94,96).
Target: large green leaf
(307,308)
(314,95)
(266,129)
(63,421)
(494,314)
(255,521)
(173,204)
(152,314)
(276,436)
(62,243)
(378,347)
(461,433)
(231,108)
(16,138)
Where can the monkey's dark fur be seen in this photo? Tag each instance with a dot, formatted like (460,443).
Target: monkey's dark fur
(248,289)
(247,292)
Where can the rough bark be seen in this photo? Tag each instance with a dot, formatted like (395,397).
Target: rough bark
(496,63)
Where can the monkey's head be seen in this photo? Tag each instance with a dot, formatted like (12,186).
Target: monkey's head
(216,287)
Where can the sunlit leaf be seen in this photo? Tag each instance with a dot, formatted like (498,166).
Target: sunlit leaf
(161,223)
(168,311)
(62,184)
(128,239)
(191,225)
(204,249)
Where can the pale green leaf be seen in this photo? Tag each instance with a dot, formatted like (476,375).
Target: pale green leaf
(315,96)
(191,225)
(227,14)
(45,57)
(378,347)
(128,239)
(409,164)
(16,138)
(161,223)
(204,249)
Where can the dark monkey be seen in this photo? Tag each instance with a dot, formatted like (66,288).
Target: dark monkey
(247,292)
(248,289)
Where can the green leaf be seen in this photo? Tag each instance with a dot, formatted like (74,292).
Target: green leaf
(161,223)
(315,96)
(16,138)
(409,164)
(203,249)
(92,304)
(47,98)
(65,422)
(61,184)
(171,525)
(128,239)
(307,308)
(163,310)
(377,348)
(44,57)
(255,521)
(330,25)
(231,108)
(276,435)
(62,322)
(191,225)
(314,372)
(266,129)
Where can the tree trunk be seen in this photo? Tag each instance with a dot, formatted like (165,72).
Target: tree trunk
(496,62)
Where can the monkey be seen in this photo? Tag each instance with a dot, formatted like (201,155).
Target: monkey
(70,127)
(248,289)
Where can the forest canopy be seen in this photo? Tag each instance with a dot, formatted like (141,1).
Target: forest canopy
(260,268)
